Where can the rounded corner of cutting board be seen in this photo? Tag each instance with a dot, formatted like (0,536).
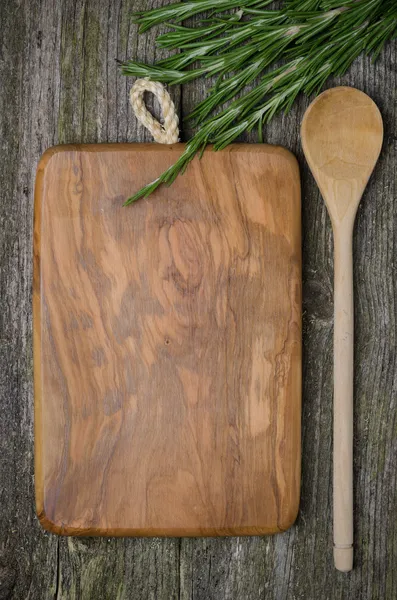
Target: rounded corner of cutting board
(49,525)
(290,158)
(47,155)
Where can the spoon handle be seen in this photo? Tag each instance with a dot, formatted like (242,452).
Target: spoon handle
(343,398)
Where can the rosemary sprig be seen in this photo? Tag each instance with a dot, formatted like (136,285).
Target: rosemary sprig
(260,31)
(317,38)
(180,11)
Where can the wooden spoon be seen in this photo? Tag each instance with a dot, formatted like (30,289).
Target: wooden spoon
(342,134)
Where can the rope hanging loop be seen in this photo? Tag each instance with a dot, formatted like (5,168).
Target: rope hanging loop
(166,133)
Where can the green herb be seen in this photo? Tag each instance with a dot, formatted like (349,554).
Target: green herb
(314,38)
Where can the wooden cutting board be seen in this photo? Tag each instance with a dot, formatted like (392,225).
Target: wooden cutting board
(167,342)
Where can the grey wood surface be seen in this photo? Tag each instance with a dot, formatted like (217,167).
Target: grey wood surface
(59,83)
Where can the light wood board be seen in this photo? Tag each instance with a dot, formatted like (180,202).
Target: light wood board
(167,342)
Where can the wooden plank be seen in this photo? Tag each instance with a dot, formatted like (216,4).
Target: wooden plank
(50,80)
(27,558)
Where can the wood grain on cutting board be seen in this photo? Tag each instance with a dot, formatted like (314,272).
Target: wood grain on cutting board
(167,342)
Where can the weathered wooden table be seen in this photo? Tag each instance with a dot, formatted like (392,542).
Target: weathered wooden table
(60,83)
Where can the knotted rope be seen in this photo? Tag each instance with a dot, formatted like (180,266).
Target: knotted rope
(166,133)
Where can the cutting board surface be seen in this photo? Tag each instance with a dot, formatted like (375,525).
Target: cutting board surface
(167,342)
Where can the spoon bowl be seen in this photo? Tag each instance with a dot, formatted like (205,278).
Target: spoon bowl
(342,135)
